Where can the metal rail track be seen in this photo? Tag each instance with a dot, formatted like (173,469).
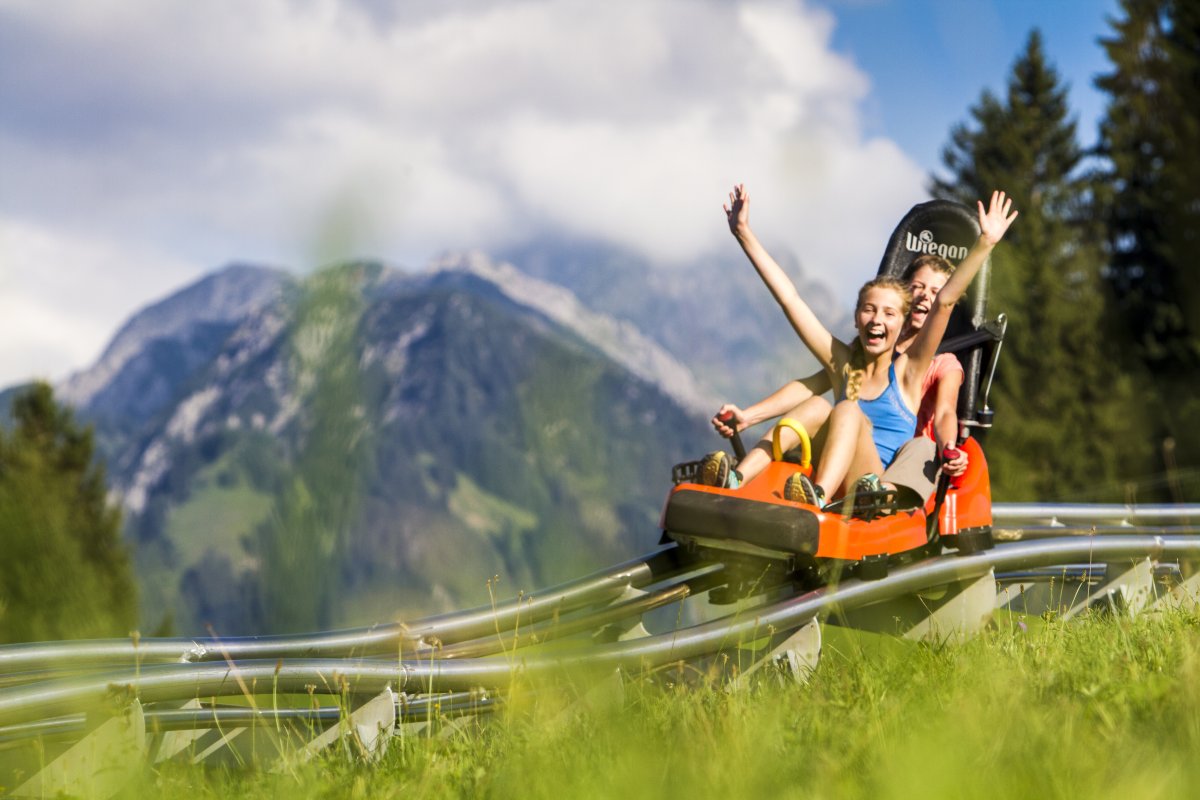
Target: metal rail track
(432,674)
(462,663)
(385,639)
(1017,521)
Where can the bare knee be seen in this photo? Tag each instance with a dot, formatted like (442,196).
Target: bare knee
(847,410)
(813,413)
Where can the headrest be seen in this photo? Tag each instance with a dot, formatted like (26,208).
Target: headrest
(940,227)
(947,229)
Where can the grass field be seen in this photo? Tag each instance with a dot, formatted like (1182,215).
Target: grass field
(1097,708)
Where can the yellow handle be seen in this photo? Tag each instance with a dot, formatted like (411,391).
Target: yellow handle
(805,444)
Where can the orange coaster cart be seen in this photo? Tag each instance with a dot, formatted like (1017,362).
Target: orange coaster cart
(765,538)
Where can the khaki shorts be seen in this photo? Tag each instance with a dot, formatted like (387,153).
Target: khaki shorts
(915,467)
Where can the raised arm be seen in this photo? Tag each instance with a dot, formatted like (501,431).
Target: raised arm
(993,224)
(816,337)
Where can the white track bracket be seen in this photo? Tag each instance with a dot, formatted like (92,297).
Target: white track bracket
(367,729)
(795,657)
(951,612)
(171,743)
(98,765)
(1126,588)
(624,629)
(232,745)
(1186,593)
(212,745)
(418,726)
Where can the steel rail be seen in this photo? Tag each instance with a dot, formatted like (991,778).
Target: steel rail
(603,586)
(1025,532)
(1056,531)
(1095,513)
(160,720)
(555,629)
(1082,573)
(178,681)
(383,639)
(30,661)
(795,612)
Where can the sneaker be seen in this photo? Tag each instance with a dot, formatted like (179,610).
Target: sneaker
(800,489)
(867,484)
(869,498)
(716,471)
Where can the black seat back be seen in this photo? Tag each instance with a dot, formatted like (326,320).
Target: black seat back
(948,229)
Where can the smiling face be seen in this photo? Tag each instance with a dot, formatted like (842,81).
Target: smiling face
(925,284)
(879,317)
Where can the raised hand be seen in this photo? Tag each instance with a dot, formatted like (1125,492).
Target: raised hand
(993,223)
(738,210)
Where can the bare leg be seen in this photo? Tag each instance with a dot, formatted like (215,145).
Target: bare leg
(849,449)
(812,414)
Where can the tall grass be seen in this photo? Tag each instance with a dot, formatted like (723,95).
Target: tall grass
(1105,707)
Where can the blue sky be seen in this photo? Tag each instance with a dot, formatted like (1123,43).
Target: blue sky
(144,143)
(929,59)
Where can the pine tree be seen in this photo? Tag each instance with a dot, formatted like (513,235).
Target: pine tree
(1063,403)
(65,572)
(1150,139)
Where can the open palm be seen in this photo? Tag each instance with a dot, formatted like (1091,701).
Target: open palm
(994,222)
(738,210)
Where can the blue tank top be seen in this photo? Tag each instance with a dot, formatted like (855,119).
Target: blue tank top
(892,424)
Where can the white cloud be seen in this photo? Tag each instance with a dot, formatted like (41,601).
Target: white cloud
(199,133)
(62,297)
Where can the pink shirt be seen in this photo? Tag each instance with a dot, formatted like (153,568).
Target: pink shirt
(942,365)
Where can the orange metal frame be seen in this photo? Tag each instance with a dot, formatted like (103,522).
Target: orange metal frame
(968,504)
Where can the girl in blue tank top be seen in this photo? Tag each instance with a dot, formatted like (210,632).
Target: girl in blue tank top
(892,423)
(879,393)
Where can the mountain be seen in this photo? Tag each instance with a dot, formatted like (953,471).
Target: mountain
(713,315)
(302,454)
(158,350)
(620,340)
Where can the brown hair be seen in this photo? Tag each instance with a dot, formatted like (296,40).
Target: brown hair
(855,367)
(931,260)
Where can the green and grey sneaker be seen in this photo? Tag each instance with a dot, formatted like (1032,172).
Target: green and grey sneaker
(715,470)
(800,489)
(869,498)
(868,483)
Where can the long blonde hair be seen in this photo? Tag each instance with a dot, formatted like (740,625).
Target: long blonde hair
(855,366)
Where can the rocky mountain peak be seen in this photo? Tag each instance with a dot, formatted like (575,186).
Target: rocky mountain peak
(226,296)
(620,340)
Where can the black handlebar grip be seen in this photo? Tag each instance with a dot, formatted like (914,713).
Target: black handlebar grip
(739,449)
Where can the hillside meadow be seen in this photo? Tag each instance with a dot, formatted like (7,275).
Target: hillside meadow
(1100,707)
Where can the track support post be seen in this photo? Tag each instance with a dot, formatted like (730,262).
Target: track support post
(1125,587)
(99,765)
(1183,594)
(367,728)
(951,612)
(169,744)
(794,655)
(625,629)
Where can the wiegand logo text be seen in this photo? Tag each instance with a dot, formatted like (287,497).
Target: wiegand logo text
(924,243)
